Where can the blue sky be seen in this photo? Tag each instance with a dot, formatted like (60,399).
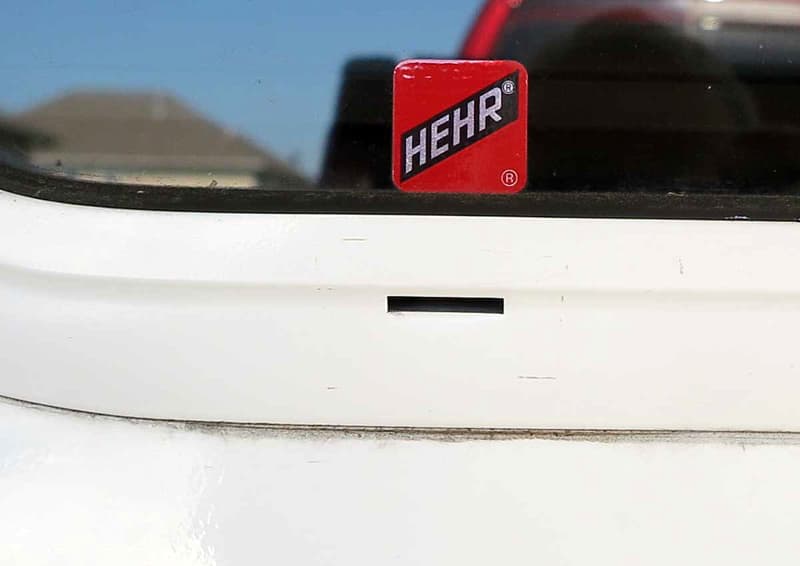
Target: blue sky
(268,69)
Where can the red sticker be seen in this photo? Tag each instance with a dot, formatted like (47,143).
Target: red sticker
(460,126)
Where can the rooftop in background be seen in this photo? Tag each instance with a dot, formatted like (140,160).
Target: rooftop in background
(148,137)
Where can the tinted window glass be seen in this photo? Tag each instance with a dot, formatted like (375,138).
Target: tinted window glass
(663,96)
(691,95)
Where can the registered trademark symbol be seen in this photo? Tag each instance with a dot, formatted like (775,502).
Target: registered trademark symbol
(509,87)
(509,177)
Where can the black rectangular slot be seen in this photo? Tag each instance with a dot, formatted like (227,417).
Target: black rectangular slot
(479,305)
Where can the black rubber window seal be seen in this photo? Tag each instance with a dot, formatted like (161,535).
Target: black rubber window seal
(622,205)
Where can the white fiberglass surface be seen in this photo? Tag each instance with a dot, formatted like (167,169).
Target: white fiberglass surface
(83,490)
(270,318)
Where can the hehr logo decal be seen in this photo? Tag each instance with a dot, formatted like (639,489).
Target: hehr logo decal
(461,126)
(473,133)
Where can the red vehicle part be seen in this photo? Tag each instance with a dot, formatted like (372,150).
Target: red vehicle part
(486,29)
(493,19)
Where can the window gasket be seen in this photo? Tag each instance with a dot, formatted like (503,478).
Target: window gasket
(584,204)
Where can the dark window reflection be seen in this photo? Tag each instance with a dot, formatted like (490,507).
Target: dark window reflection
(17,141)
(634,96)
